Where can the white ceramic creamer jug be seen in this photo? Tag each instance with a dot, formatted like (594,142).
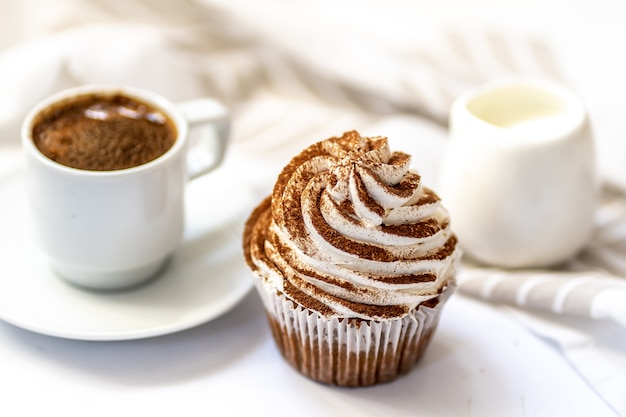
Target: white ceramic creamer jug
(519,176)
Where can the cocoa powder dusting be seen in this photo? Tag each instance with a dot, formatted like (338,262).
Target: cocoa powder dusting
(428,197)
(358,249)
(284,209)
(374,311)
(420,230)
(408,279)
(296,265)
(253,236)
(444,252)
(306,300)
(403,189)
(399,158)
(366,199)
(347,209)
(407,186)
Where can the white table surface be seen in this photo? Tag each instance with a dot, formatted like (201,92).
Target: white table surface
(481,363)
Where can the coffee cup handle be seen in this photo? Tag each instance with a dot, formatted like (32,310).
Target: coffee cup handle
(209,120)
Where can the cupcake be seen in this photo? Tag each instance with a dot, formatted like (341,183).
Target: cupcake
(354,259)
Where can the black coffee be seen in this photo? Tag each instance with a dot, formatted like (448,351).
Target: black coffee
(103,133)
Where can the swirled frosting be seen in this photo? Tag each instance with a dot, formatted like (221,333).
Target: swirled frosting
(350,231)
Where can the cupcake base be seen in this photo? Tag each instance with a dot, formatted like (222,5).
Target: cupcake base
(350,352)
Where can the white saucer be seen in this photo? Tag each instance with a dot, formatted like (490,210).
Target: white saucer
(204,279)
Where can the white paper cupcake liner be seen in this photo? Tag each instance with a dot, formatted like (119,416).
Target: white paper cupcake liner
(349,352)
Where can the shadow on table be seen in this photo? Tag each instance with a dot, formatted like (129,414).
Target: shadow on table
(461,374)
(163,360)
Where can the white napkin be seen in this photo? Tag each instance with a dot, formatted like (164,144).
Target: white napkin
(589,295)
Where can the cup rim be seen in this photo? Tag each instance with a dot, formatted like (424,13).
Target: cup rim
(67,95)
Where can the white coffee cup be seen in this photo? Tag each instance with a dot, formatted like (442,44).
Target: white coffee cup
(115,229)
(519,177)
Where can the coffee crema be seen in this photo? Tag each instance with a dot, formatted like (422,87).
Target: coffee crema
(103,132)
